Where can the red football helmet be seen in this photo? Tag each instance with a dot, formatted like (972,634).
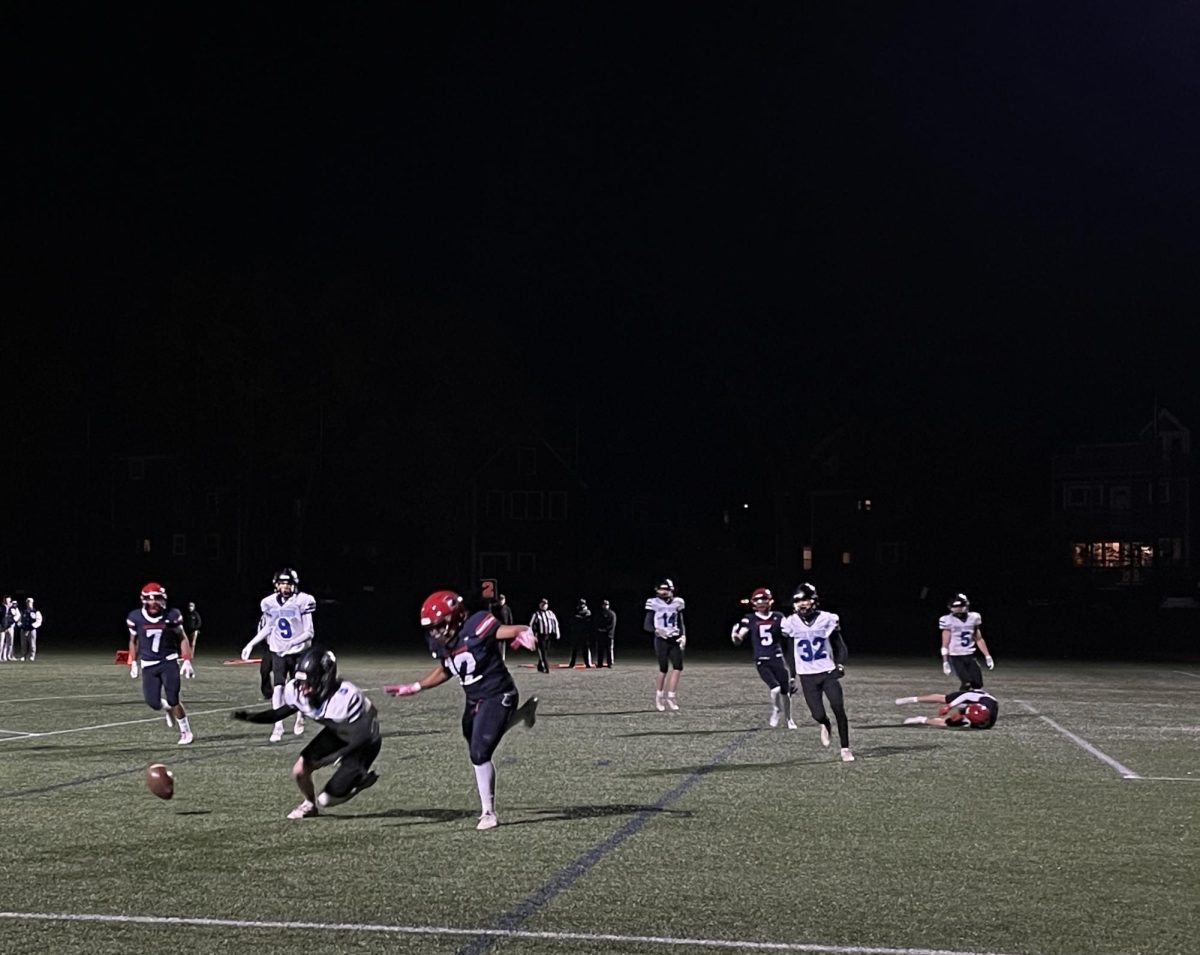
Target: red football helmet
(154,593)
(443,614)
(978,715)
(762,596)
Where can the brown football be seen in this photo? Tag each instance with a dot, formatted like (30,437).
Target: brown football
(160,781)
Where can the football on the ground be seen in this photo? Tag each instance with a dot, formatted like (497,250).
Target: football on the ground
(160,781)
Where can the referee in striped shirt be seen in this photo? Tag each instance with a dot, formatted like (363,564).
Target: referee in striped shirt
(545,626)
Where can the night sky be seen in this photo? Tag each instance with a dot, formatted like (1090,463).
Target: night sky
(965,232)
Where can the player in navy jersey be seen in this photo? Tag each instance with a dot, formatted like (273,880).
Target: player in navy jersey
(664,619)
(350,736)
(962,709)
(157,645)
(467,646)
(766,637)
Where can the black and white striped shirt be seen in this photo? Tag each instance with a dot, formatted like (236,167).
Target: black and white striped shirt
(544,622)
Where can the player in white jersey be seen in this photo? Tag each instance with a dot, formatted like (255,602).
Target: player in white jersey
(962,635)
(664,619)
(963,709)
(350,737)
(820,656)
(286,623)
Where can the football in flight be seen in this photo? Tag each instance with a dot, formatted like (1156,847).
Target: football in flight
(160,781)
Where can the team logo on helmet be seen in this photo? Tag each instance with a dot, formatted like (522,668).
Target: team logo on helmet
(959,601)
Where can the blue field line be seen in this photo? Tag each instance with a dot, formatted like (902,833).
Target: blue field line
(580,867)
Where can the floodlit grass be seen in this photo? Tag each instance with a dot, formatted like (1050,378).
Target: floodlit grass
(623,829)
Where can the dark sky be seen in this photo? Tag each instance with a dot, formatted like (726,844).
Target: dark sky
(968,225)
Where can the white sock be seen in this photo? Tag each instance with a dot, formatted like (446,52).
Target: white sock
(485,782)
(671,695)
(658,694)
(901,700)
(276,697)
(915,720)
(184,726)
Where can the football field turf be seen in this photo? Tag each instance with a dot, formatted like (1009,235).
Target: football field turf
(1068,828)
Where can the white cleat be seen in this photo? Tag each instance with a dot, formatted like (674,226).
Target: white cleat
(671,704)
(914,720)
(773,719)
(791,724)
(659,704)
(303,811)
(901,700)
(185,738)
(488,821)
(824,735)
(277,733)
(298,729)
(847,756)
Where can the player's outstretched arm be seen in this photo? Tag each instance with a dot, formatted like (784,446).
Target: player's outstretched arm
(517,633)
(248,649)
(264,716)
(435,677)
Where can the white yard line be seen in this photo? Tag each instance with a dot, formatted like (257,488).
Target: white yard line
(1084,744)
(104,726)
(1169,779)
(1194,676)
(585,939)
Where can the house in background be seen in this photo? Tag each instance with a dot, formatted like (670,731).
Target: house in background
(524,517)
(1123,512)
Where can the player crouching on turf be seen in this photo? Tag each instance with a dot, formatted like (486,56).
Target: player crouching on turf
(468,646)
(350,735)
(972,709)
(160,651)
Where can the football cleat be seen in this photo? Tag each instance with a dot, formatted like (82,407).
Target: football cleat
(824,735)
(303,811)
(530,709)
(298,729)
(488,821)
(773,720)
(847,756)
(791,724)
(658,702)
(671,704)
(185,738)
(277,733)
(914,721)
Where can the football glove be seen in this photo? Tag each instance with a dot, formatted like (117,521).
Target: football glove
(247,650)
(946,667)
(682,640)
(525,640)
(402,689)
(240,715)
(989,662)
(133,670)
(187,671)
(737,636)
(839,671)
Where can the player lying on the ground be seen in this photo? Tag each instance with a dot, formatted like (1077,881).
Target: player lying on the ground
(972,709)
(350,734)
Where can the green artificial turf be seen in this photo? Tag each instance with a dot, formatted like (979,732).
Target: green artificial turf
(622,829)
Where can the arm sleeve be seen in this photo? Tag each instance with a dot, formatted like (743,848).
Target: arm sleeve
(681,624)
(648,624)
(838,644)
(271,716)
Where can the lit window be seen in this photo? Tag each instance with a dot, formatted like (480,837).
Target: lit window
(845,557)
(806,558)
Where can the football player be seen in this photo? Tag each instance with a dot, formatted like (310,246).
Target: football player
(764,628)
(467,646)
(820,657)
(286,623)
(350,737)
(962,635)
(157,642)
(664,619)
(963,709)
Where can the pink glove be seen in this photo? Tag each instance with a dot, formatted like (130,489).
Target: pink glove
(525,640)
(402,689)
